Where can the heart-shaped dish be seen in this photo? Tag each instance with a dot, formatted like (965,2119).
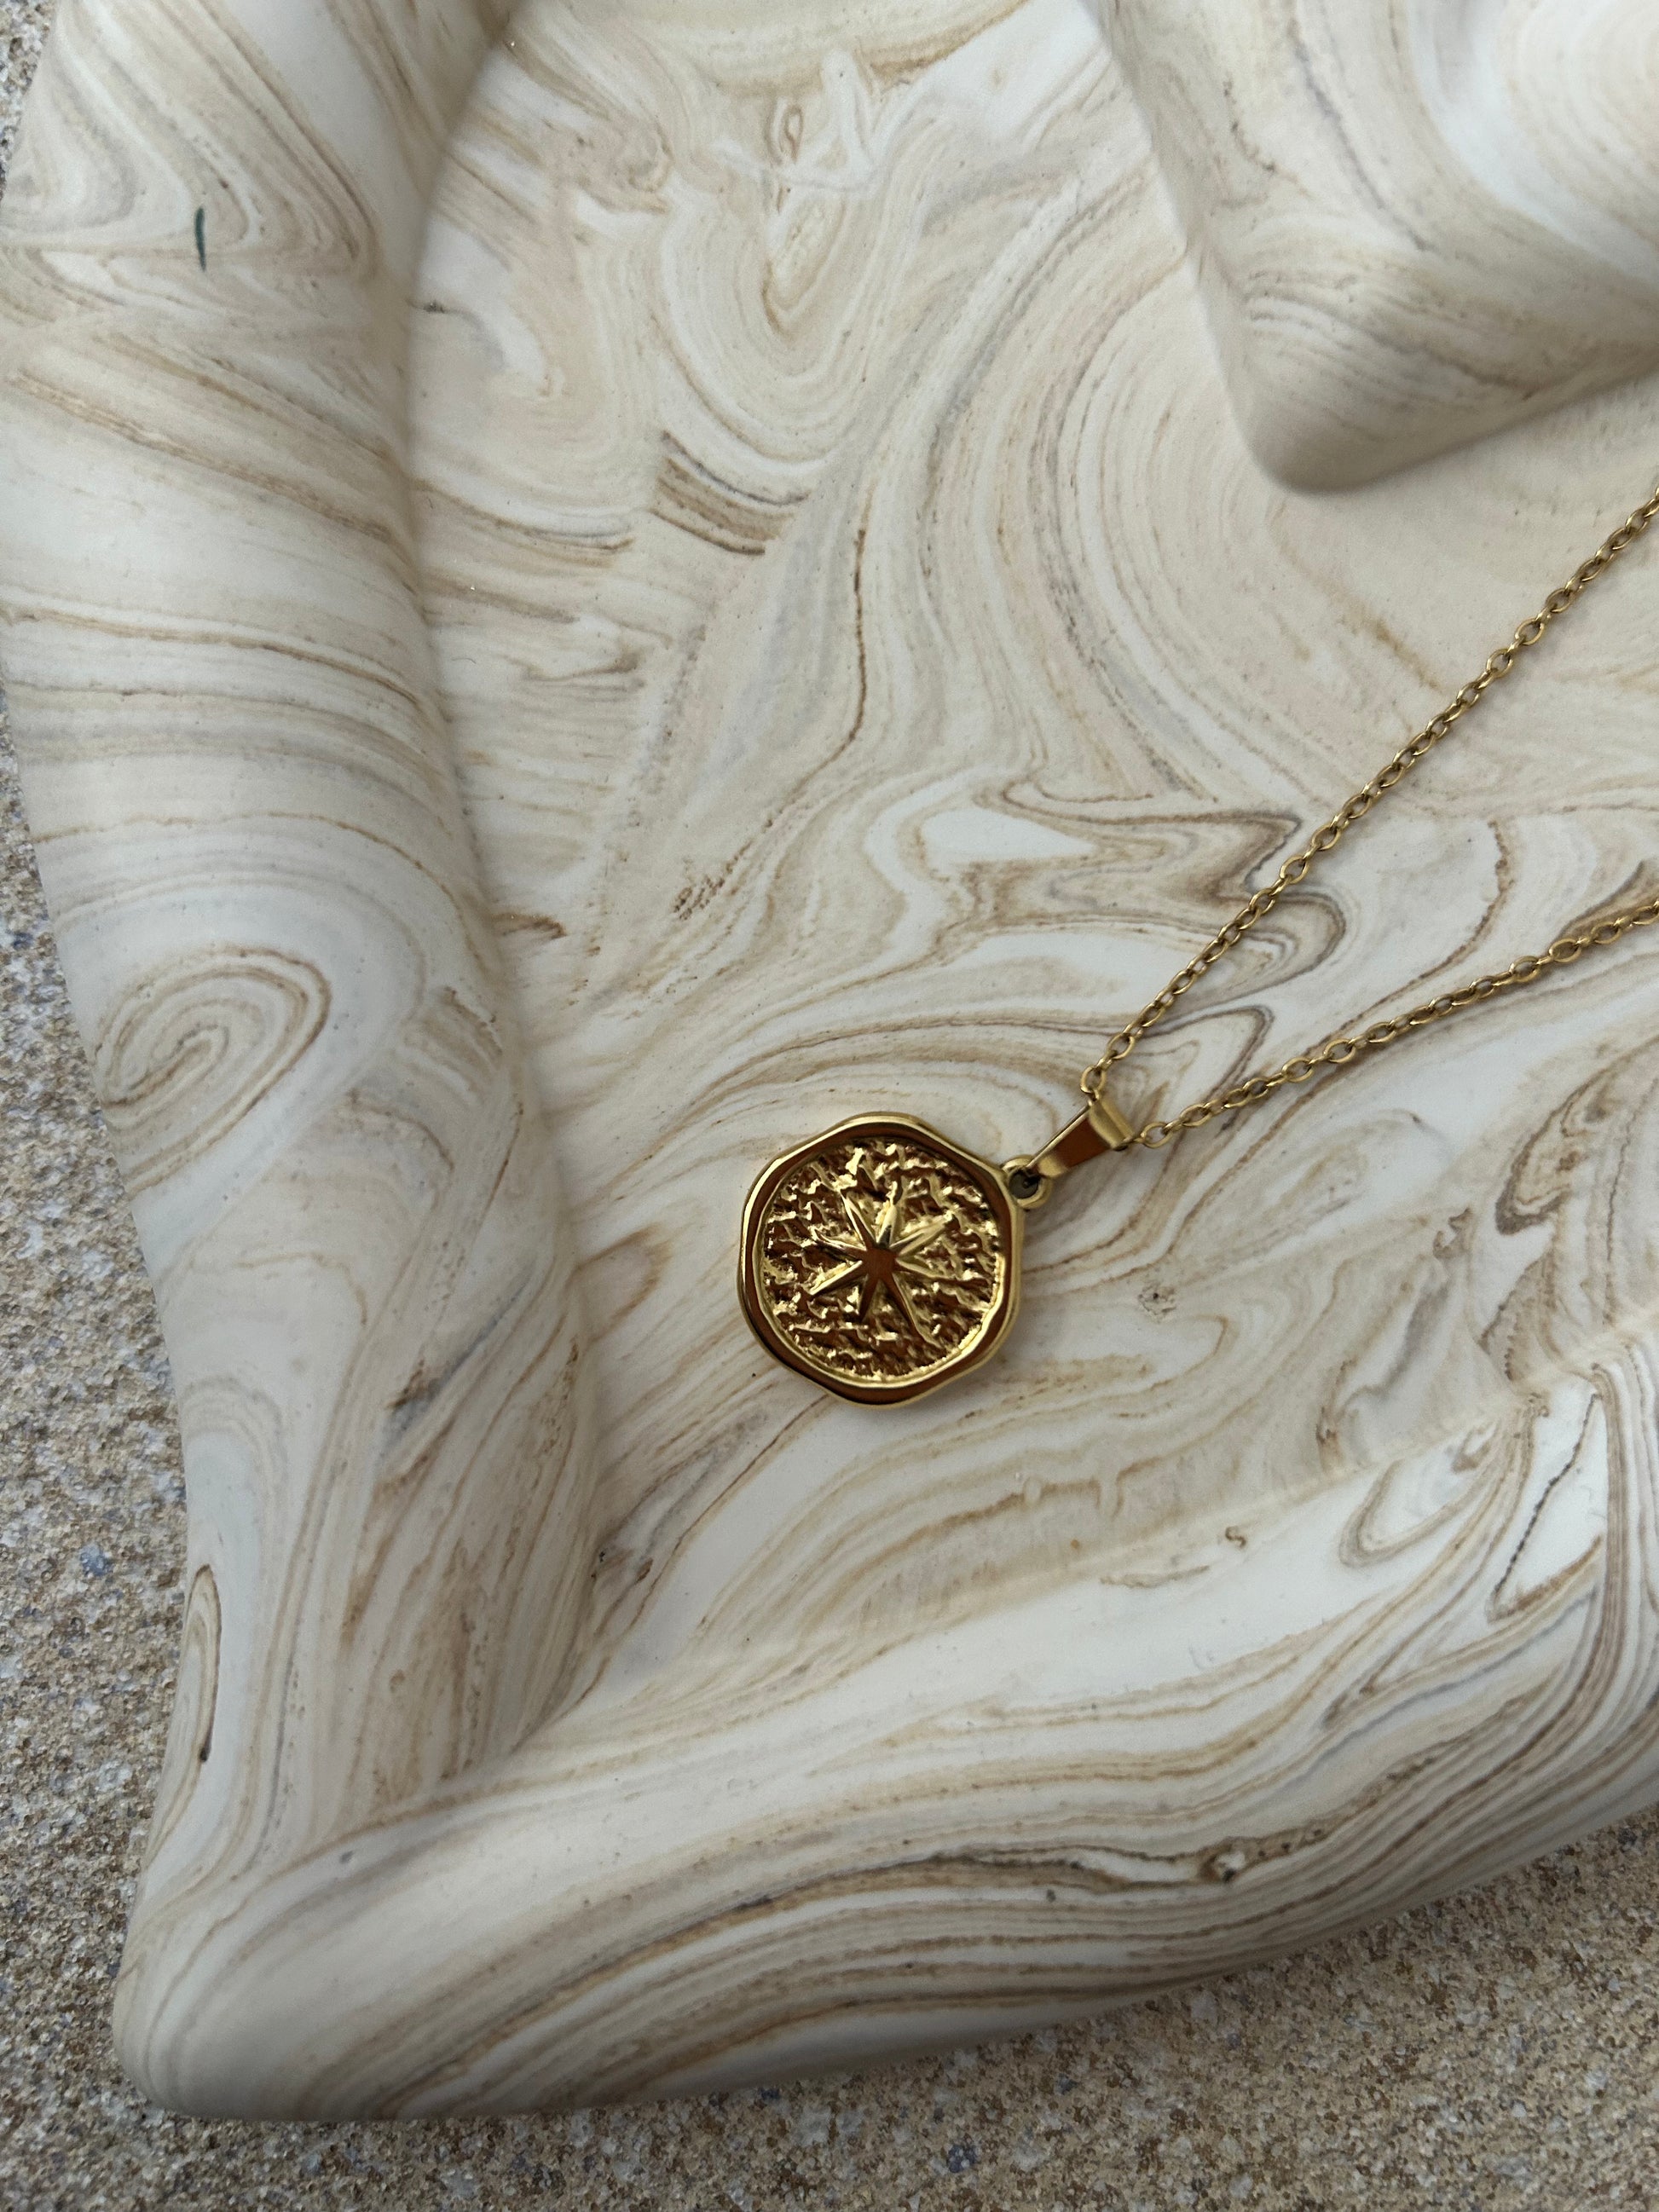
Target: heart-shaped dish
(589,595)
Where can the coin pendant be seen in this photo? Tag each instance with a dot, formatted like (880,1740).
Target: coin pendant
(880,1259)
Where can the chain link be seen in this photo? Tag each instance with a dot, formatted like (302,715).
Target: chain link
(1341,1051)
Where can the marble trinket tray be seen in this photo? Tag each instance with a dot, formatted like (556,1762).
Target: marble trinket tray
(590,590)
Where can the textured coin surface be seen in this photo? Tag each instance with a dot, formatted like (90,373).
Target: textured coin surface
(880,1259)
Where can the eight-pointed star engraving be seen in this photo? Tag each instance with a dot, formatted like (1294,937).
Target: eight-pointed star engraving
(885,1245)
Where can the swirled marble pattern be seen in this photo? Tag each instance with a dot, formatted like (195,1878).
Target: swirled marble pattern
(1417,221)
(769,604)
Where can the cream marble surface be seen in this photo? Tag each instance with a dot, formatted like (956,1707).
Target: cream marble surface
(1416,221)
(796,621)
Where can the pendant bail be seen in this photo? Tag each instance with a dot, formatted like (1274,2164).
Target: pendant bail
(1099,1128)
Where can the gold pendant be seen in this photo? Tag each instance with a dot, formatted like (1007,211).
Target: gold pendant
(882,1261)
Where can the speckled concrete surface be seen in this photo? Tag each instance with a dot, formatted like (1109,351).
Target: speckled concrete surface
(1496,2052)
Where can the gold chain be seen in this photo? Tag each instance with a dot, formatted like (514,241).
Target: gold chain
(1341,1051)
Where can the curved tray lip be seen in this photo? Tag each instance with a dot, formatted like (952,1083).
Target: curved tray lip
(320,1935)
(752,1293)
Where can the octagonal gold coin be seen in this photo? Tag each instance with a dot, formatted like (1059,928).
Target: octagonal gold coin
(880,1260)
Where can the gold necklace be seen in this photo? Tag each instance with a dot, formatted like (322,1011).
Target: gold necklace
(882,1261)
